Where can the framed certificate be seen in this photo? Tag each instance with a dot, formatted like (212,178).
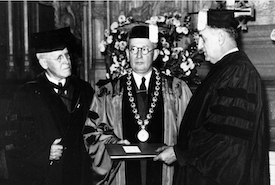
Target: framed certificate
(133,151)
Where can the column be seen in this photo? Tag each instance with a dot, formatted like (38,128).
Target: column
(87,41)
(98,13)
(11,72)
(84,41)
(27,72)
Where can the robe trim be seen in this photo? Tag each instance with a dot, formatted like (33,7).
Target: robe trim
(234,112)
(88,129)
(91,139)
(229,130)
(237,93)
(92,115)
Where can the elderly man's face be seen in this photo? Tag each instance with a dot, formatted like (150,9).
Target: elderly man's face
(56,63)
(210,45)
(141,55)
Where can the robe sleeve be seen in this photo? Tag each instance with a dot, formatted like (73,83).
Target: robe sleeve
(99,131)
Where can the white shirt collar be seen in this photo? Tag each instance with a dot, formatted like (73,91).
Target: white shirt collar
(63,81)
(230,51)
(138,78)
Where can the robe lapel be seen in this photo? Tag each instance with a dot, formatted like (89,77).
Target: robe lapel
(55,105)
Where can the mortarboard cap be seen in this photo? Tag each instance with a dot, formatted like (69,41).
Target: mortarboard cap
(144,31)
(51,40)
(217,18)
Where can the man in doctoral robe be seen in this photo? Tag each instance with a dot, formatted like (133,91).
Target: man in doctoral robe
(46,119)
(143,106)
(223,137)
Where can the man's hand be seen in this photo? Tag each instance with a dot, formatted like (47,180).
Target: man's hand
(56,150)
(167,155)
(123,142)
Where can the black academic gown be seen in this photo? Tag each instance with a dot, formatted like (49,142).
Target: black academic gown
(38,117)
(223,137)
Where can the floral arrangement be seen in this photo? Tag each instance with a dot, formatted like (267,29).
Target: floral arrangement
(176,60)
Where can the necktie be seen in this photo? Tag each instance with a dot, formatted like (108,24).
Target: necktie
(64,97)
(143,163)
(60,90)
(142,86)
(142,99)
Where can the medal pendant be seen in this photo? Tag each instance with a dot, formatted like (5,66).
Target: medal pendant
(143,135)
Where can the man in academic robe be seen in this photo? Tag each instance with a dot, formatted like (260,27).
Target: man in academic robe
(143,106)
(46,119)
(223,137)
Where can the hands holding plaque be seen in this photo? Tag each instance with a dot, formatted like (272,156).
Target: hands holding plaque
(125,150)
(166,154)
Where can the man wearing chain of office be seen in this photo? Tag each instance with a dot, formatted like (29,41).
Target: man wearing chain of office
(143,106)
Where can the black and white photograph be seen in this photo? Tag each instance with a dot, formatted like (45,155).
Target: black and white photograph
(137,92)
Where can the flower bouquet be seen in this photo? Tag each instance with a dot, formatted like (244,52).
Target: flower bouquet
(177,45)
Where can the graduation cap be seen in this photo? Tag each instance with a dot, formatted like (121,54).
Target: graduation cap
(142,30)
(217,18)
(52,40)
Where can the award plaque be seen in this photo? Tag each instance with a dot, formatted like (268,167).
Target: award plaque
(133,151)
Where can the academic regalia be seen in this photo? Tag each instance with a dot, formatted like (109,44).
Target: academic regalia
(115,121)
(37,117)
(223,137)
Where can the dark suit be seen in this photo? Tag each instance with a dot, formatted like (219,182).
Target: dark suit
(38,117)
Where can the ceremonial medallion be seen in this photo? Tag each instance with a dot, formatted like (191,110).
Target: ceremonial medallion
(143,135)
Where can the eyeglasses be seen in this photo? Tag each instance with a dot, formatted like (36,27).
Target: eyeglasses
(144,50)
(61,57)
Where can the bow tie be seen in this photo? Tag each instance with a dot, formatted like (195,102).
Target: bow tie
(61,89)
